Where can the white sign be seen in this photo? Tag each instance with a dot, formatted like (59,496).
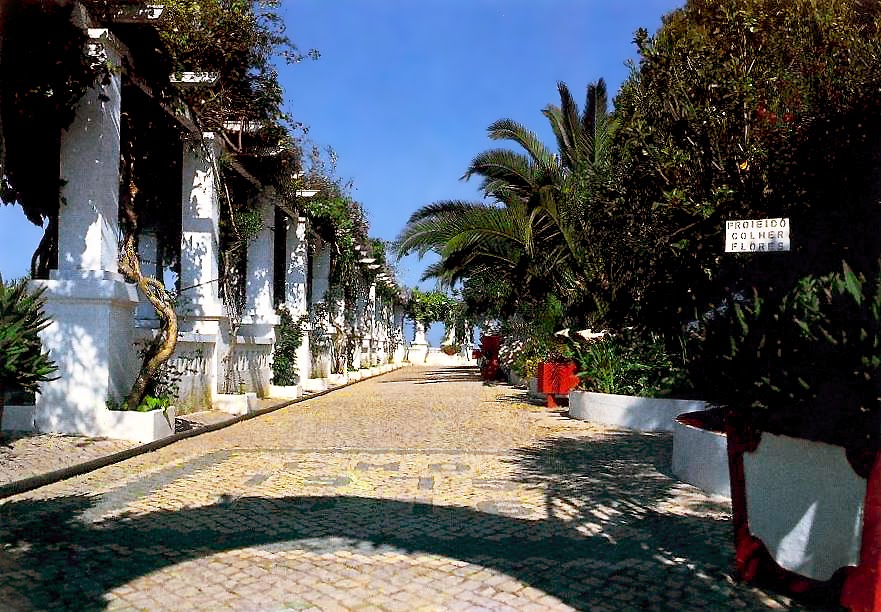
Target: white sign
(757,236)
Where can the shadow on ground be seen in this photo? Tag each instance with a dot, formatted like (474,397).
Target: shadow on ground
(439,375)
(607,537)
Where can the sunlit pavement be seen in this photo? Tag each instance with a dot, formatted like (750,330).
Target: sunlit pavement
(421,489)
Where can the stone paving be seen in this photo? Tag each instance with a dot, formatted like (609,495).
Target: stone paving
(419,490)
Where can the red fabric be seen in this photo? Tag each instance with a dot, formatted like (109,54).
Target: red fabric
(862,589)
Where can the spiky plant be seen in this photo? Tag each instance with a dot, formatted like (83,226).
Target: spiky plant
(23,364)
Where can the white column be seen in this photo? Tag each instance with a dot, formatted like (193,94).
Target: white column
(200,230)
(296,277)
(257,332)
(400,348)
(202,317)
(418,351)
(371,324)
(295,273)
(88,228)
(320,273)
(258,286)
(90,306)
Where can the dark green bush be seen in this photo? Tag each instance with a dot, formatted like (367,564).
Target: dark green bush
(23,364)
(629,362)
(805,361)
(289,337)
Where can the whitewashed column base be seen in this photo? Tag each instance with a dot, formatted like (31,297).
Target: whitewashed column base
(90,340)
(19,418)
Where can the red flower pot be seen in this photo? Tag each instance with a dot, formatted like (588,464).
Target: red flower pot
(489,348)
(556,378)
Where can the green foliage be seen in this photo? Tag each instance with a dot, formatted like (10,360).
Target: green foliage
(530,337)
(627,363)
(288,338)
(153,403)
(23,365)
(428,307)
(812,353)
(743,109)
(531,234)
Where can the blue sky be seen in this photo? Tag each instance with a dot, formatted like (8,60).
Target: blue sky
(405,89)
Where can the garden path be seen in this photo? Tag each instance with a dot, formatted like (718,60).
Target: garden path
(420,489)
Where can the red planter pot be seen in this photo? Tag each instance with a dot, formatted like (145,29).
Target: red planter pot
(489,348)
(856,585)
(556,379)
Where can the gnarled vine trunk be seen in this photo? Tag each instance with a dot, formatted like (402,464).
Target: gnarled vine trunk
(161,348)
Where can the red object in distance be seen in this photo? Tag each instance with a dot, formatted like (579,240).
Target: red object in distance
(556,379)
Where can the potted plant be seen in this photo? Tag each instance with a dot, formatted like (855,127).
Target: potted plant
(626,379)
(801,373)
(557,375)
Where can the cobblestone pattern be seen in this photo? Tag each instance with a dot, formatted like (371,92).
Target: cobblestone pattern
(421,490)
(26,455)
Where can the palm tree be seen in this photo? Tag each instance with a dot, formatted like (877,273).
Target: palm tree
(532,230)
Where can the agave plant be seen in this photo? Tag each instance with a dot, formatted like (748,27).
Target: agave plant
(23,364)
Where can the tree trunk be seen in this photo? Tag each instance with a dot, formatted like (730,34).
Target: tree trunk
(162,346)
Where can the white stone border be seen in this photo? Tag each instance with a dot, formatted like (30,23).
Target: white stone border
(139,426)
(700,458)
(628,412)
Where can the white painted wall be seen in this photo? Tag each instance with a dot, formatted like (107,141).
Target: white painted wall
(638,413)
(700,457)
(805,503)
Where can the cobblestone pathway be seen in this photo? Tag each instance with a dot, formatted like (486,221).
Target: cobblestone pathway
(421,489)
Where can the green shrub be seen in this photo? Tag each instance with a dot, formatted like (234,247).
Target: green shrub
(289,337)
(627,363)
(806,361)
(23,364)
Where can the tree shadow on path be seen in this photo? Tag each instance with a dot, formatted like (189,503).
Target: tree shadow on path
(607,538)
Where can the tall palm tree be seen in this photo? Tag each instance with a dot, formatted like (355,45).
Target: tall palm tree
(532,230)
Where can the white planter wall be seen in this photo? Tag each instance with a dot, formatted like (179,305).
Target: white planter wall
(637,413)
(19,418)
(138,426)
(700,458)
(805,503)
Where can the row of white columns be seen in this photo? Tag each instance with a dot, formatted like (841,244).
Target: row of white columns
(97,317)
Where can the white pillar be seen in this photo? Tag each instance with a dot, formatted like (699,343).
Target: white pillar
(258,286)
(200,230)
(400,348)
(257,332)
(202,316)
(320,273)
(295,272)
(418,351)
(89,304)
(320,278)
(296,277)
(88,228)
(370,324)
